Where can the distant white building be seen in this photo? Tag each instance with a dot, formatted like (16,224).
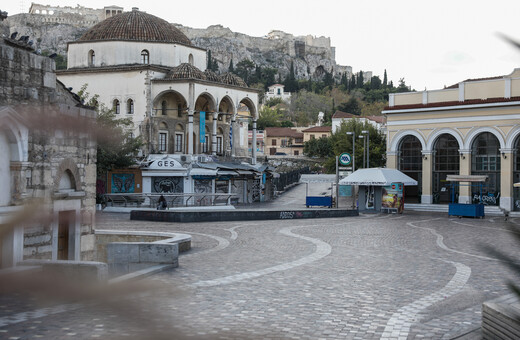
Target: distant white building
(377,121)
(277,91)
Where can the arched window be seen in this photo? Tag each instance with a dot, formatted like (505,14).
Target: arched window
(485,160)
(190,59)
(130,106)
(164,108)
(117,107)
(516,174)
(179,139)
(145,57)
(410,163)
(163,137)
(91,58)
(446,162)
(67,181)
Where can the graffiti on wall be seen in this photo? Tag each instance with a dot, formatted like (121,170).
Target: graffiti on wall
(168,185)
(123,183)
(487,199)
(255,190)
(203,186)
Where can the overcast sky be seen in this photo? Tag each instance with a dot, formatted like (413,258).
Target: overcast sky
(430,44)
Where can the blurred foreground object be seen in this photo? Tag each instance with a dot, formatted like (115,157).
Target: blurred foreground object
(47,158)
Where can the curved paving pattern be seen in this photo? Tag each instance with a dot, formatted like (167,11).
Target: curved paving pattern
(322,249)
(369,277)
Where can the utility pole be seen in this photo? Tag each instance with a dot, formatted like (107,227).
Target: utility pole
(367,132)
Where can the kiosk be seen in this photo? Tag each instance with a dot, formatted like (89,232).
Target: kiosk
(466,209)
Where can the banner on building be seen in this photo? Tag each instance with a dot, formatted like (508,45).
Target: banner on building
(202,126)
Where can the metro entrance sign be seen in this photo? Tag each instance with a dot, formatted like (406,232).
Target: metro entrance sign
(345,158)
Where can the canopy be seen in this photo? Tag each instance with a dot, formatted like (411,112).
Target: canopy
(466,178)
(378,177)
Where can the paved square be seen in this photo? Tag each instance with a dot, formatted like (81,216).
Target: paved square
(409,276)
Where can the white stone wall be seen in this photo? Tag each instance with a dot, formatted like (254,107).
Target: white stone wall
(111,53)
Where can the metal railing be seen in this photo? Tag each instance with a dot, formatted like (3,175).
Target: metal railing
(172,200)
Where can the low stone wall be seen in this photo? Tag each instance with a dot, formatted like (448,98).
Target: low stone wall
(236,215)
(501,318)
(126,257)
(72,270)
(104,237)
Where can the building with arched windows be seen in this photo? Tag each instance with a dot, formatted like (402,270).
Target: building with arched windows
(148,70)
(151,69)
(470,128)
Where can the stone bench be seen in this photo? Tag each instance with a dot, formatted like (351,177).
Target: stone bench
(501,318)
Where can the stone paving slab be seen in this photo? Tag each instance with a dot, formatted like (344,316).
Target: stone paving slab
(410,276)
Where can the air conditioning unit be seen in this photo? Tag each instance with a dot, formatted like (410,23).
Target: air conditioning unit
(202,159)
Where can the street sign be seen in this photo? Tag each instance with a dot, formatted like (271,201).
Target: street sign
(345,158)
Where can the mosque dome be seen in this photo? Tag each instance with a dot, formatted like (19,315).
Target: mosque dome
(135,26)
(185,71)
(231,79)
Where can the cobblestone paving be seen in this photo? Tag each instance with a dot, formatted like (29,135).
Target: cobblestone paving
(410,276)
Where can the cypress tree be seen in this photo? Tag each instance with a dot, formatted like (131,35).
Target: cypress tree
(209,64)
(231,68)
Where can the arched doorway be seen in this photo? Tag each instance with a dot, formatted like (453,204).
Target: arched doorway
(485,160)
(516,173)
(446,162)
(410,163)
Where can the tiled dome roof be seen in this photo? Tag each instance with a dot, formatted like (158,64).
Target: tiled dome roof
(185,71)
(212,76)
(135,26)
(231,79)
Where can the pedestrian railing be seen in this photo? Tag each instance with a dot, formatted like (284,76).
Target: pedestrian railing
(172,200)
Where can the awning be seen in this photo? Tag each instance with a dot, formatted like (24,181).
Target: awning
(164,173)
(377,177)
(203,172)
(466,178)
(226,173)
(246,172)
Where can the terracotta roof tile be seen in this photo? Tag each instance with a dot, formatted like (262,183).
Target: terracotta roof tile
(282,132)
(135,26)
(453,103)
(231,79)
(319,129)
(341,114)
(185,71)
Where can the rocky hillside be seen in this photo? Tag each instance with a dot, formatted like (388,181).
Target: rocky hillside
(310,56)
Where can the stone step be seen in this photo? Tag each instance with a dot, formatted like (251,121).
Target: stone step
(488,210)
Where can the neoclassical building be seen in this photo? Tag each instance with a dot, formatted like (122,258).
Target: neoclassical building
(470,128)
(146,69)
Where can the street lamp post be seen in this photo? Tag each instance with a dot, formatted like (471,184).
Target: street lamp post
(353,133)
(364,148)
(368,146)
(353,190)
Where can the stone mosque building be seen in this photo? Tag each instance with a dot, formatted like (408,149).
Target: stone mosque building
(189,118)
(146,69)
